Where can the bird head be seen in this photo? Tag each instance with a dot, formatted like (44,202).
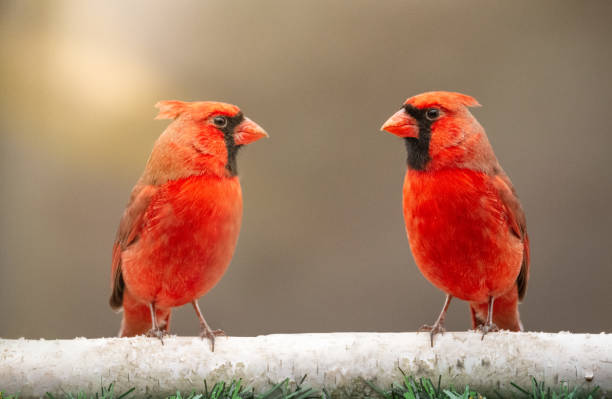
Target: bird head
(204,137)
(439,130)
(213,119)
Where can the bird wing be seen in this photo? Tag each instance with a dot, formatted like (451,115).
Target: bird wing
(517,223)
(130,229)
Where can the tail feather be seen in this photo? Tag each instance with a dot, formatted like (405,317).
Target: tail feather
(137,317)
(505,312)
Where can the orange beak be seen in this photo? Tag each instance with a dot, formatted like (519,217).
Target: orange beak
(247,132)
(401,124)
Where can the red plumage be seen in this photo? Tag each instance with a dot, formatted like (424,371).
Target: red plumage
(178,233)
(464,222)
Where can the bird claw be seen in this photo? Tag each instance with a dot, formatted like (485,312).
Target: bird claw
(219,333)
(157,333)
(484,329)
(211,334)
(433,330)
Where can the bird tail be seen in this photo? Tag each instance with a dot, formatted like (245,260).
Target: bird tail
(137,317)
(505,312)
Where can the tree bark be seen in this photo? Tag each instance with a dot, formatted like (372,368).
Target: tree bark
(340,362)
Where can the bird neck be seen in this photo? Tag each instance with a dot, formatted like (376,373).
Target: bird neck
(176,159)
(472,152)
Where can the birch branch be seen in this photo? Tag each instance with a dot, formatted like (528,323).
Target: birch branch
(339,361)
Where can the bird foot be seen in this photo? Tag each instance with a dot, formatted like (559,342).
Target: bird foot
(157,333)
(433,330)
(211,334)
(487,328)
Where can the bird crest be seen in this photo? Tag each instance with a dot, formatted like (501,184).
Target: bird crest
(443,98)
(170,109)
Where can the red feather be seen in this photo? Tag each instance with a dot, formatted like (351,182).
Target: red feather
(178,233)
(464,222)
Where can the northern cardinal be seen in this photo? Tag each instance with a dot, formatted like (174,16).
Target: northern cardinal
(179,230)
(464,221)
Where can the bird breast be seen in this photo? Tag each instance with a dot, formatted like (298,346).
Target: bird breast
(458,233)
(189,235)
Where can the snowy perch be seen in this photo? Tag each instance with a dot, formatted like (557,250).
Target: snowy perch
(335,361)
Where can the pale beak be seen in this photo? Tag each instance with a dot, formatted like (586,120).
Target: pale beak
(401,124)
(247,132)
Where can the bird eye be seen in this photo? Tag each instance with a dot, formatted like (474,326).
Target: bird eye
(432,114)
(220,121)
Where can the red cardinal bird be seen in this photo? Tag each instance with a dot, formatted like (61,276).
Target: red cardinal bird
(464,221)
(179,230)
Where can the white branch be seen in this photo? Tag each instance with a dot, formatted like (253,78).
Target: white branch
(334,361)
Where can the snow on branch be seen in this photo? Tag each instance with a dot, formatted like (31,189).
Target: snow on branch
(339,361)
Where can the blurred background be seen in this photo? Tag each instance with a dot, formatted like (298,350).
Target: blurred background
(322,246)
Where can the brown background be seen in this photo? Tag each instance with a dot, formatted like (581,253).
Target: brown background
(322,246)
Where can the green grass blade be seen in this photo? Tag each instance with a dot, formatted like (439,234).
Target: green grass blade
(378,390)
(452,395)
(126,393)
(275,391)
(523,390)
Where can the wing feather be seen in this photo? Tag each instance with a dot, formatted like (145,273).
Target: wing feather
(129,231)
(517,224)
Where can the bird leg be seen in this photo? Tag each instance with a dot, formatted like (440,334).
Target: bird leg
(205,330)
(489,325)
(438,326)
(156,330)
